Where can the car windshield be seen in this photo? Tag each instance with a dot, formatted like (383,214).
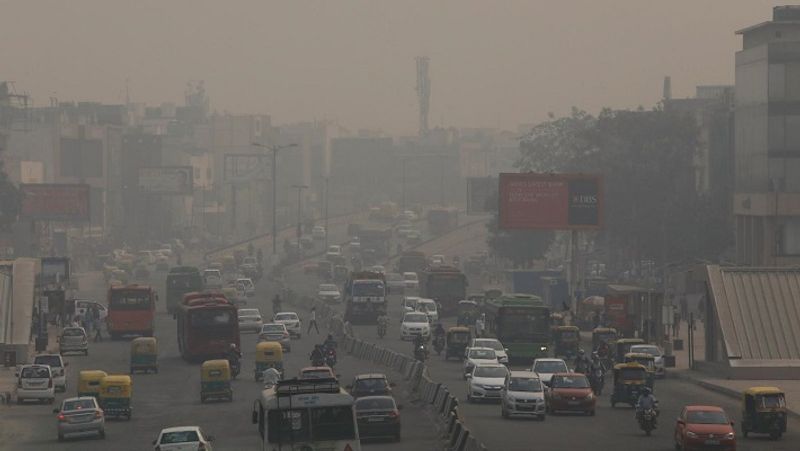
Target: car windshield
(394,277)
(327,287)
(491,371)
(249,312)
(485,354)
(427,306)
(35,372)
(370,384)
(527,384)
(375,404)
(273,328)
(73,332)
(78,404)
(315,374)
(706,417)
(550,367)
(286,317)
(369,288)
(179,437)
(652,350)
(410,276)
(493,344)
(53,361)
(569,382)
(416,318)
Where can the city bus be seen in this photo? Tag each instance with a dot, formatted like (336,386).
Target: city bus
(442,220)
(131,310)
(207,325)
(306,414)
(181,280)
(444,284)
(522,323)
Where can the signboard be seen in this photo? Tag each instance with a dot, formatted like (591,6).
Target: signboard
(55,270)
(244,167)
(481,195)
(55,202)
(550,201)
(166,180)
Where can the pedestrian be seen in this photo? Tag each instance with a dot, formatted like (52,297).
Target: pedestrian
(97,325)
(676,323)
(313,321)
(480,325)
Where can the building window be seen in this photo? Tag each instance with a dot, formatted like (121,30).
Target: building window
(790,237)
(777,81)
(792,80)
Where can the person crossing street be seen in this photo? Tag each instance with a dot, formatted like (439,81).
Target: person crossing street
(313,321)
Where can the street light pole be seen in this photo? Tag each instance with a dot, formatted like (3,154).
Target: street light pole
(327,201)
(300,189)
(274,149)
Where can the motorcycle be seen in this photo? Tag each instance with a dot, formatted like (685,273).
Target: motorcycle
(438,344)
(597,381)
(381,330)
(647,420)
(421,353)
(330,358)
(236,366)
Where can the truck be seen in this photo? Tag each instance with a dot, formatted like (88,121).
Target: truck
(365,297)
(411,261)
(444,284)
(377,240)
(442,220)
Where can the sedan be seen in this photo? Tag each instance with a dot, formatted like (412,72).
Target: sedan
(378,417)
(291,321)
(73,339)
(276,332)
(570,392)
(493,343)
(329,293)
(704,427)
(183,438)
(486,382)
(415,324)
(250,320)
(657,354)
(478,356)
(545,368)
(81,416)
(410,281)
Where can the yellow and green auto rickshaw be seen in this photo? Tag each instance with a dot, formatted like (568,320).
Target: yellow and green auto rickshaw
(607,335)
(647,361)
(764,411)
(115,396)
(269,354)
(457,341)
(566,340)
(215,380)
(467,313)
(144,355)
(629,381)
(89,382)
(623,346)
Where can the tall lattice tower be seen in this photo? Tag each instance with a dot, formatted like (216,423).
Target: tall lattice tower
(423,93)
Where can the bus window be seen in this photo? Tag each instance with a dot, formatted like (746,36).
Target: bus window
(332,423)
(286,426)
(212,318)
(130,301)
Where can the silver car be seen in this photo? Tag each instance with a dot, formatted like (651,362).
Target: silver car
(276,332)
(80,415)
(73,339)
(250,320)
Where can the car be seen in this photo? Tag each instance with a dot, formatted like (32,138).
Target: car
(73,339)
(329,293)
(415,324)
(291,321)
(57,367)
(306,243)
(166,251)
(547,367)
(522,395)
(409,304)
(146,257)
(477,356)
(657,354)
(428,307)
(250,319)
(486,381)
(704,427)
(395,283)
(212,279)
(493,343)
(378,417)
(403,229)
(318,233)
(409,216)
(355,244)
(81,415)
(380,269)
(413,236)
(35,382)
(317,372)
(410,281)
(84,305)
(334,250)
(276,332)
(371,384)
(570,392)
(437,260)
(246,287)
(183,438)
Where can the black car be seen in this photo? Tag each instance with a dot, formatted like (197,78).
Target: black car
(378,417)
(374,384)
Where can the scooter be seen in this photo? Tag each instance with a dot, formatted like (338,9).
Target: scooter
(381,330)
(647,421)
(438,344)
(421,353)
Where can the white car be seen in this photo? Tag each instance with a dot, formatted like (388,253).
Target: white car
(522,395)
(189,438)
(411,280)
(329,293)
(250,320)
(318,233)
(545,368)
(409,215)
(409,304)
(380,269)
(395,283)
(478,356)
(291,321)
(486,381)
(428,307)
(57,367)
(657,353)
(246,287)
(212,279)
(415,324)
(166,250)
(84,305)
(493,343)
(35,382)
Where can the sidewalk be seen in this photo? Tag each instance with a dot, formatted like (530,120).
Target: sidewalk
(7,378)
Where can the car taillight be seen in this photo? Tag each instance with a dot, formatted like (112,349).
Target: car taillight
(61,417)
(285,334)
(50,383)
(394,414)
(98,414)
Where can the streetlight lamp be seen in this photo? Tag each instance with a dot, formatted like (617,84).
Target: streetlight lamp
(274,149)
(300,189)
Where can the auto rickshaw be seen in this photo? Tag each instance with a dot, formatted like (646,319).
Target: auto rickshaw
(764,411)
(115,396)
(629,380)
(215,380)
(457,341)
(607,335)
(89,382)
(144,355)
(566,340)
(623,346)
(269,354)
(647,361)
(467,313)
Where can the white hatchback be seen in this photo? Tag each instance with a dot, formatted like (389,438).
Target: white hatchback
(415,324)
(546,367)
(188,438)
(478,356)
(499,349)
(57,367)
(35,382)
(428,307)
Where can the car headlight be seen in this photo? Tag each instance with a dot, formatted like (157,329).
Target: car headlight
(691,434)
(543,348)
(730,436)
(590,396)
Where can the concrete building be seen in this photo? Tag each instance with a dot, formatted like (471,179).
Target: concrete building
(767,142)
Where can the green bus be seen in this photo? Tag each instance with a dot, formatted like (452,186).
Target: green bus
(181,280)
(522,323)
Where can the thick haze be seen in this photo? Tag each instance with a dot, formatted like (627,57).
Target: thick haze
(493,63)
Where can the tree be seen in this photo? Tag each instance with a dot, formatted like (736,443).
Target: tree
(521,247)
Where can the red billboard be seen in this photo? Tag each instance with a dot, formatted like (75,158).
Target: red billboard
(550,201)
(55,202)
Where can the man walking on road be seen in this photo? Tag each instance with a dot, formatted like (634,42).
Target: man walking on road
(313,321)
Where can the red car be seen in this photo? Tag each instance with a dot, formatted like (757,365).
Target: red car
(704,427)
(570,392)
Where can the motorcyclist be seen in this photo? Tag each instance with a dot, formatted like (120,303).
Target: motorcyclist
(646,401)
(233,356)
(383,323)
(317,356)
(271,377)
(582,362)
(330,342)
(596,373)
(419,342)
(438,331)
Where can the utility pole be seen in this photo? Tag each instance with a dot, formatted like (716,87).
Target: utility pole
(300,189)
(403,189)
(327,202)
(274,149)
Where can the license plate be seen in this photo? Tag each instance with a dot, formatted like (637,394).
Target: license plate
(374,420)
(573,403)
(712,442)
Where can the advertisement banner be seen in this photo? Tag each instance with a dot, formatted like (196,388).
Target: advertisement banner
(55,202)
(166,180)
(481,195)
(550,201)
(246,167)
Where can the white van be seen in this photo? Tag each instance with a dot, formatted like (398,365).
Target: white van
(35,382)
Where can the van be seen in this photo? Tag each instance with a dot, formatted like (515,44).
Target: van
(35,382)
(57,369)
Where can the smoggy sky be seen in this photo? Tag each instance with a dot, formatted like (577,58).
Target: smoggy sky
(494,63)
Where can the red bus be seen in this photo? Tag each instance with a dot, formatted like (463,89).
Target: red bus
(131,310)
(207,325)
